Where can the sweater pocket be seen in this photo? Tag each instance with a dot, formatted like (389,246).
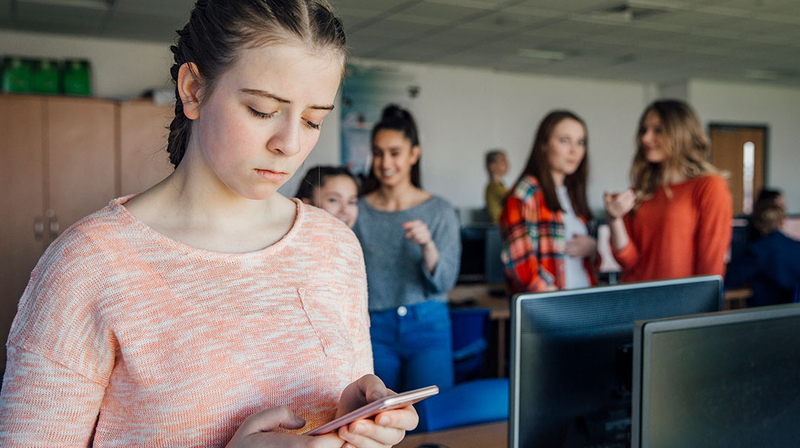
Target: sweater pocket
(324,311)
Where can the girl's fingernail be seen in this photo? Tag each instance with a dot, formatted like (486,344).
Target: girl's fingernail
(360,429)
(383,420)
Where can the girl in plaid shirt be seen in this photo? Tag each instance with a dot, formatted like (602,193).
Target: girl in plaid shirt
(546,243)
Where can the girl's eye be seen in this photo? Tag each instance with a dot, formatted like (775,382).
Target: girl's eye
(258,114)
(312,125)
(333,201)
(564,141)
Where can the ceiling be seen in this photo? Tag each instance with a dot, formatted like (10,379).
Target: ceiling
(635,40)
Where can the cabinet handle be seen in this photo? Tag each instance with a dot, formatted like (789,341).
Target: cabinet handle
(38,228)
(53,227)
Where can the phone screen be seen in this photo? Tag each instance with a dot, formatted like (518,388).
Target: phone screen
(370,409)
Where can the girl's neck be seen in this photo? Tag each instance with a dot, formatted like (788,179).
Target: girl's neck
(395,198)
(558,178)
(674,176)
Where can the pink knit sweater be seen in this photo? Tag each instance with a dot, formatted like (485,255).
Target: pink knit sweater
(134,339)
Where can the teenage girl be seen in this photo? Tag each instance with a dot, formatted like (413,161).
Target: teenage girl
(412,248)
(675,221)
(546,242)
(333,189)
(209,310)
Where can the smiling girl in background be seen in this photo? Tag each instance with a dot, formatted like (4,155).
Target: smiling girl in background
(333,189)
(675,221)
(412,249)
(209,310)
(546,242)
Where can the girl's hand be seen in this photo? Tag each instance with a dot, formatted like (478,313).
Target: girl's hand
(619,204)
(388,428)
(581,246)
(417,232)
(256,431)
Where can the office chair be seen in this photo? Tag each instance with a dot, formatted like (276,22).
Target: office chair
(469,329)
(470,403)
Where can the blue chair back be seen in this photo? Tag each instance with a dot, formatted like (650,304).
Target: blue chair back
(465,404)
(470,329)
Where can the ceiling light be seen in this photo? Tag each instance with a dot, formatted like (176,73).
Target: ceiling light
(100,5)
(533,53)
(760,74)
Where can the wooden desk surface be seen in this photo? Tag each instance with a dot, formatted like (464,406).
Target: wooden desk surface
(480,293)
(490,435)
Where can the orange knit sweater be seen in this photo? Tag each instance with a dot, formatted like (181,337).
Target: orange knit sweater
(681,236)
(135,339)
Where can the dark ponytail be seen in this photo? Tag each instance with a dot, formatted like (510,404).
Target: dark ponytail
(395,118)
(218,28)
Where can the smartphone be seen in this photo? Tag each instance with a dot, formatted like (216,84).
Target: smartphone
(370,409)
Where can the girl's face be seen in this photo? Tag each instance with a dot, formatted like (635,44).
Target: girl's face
(392,157)
(653,139)
(263,117)
(338,196)
(566,147)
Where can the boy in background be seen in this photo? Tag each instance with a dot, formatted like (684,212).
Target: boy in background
(497,166)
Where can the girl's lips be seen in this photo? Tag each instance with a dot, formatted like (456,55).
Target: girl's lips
(271,175)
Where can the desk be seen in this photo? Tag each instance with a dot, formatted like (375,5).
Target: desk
(479,295)
(490,435)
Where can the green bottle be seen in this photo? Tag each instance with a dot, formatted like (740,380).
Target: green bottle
(45,77)
(77,78)
(17,75)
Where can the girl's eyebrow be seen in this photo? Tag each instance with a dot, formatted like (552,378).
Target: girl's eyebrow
(265,94)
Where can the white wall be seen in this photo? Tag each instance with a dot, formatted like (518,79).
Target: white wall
(776,107)
(464,112)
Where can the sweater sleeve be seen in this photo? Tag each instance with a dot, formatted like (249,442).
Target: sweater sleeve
(446,234)
(521,245)
(714,229)
(60,354)
(629,255)
(44,403)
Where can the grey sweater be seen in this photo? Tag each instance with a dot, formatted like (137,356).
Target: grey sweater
(396,272)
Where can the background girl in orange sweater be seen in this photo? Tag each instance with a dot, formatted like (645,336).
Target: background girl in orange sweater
(210,310)
(675,221)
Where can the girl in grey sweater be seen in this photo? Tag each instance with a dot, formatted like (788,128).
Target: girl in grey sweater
(412,250)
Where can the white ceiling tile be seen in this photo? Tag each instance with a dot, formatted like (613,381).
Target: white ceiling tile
(395,29)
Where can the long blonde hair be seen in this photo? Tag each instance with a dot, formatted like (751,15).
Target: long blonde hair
(687,149)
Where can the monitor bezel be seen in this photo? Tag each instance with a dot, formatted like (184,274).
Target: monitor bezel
(519,299)
(644,331)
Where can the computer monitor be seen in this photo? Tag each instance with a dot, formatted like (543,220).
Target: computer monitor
(571,355)
(727,379)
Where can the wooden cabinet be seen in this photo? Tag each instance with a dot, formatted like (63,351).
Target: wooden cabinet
(60,160)
(144,128)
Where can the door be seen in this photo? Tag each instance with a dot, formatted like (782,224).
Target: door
(741,151)
(21,202)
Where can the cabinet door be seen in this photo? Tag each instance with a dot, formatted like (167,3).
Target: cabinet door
(21,201)
(80,142)
(143,129)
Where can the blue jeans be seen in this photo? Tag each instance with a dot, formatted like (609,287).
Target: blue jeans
(412,346)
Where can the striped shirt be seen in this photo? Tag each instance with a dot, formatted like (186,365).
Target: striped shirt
(134,339)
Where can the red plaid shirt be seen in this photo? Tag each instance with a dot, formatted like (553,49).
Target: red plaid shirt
(533,241)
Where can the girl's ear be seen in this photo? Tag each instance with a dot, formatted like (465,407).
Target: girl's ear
(190,89)
(415,154)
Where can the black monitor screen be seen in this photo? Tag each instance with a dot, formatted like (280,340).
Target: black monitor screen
(571,357)
(726,380)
